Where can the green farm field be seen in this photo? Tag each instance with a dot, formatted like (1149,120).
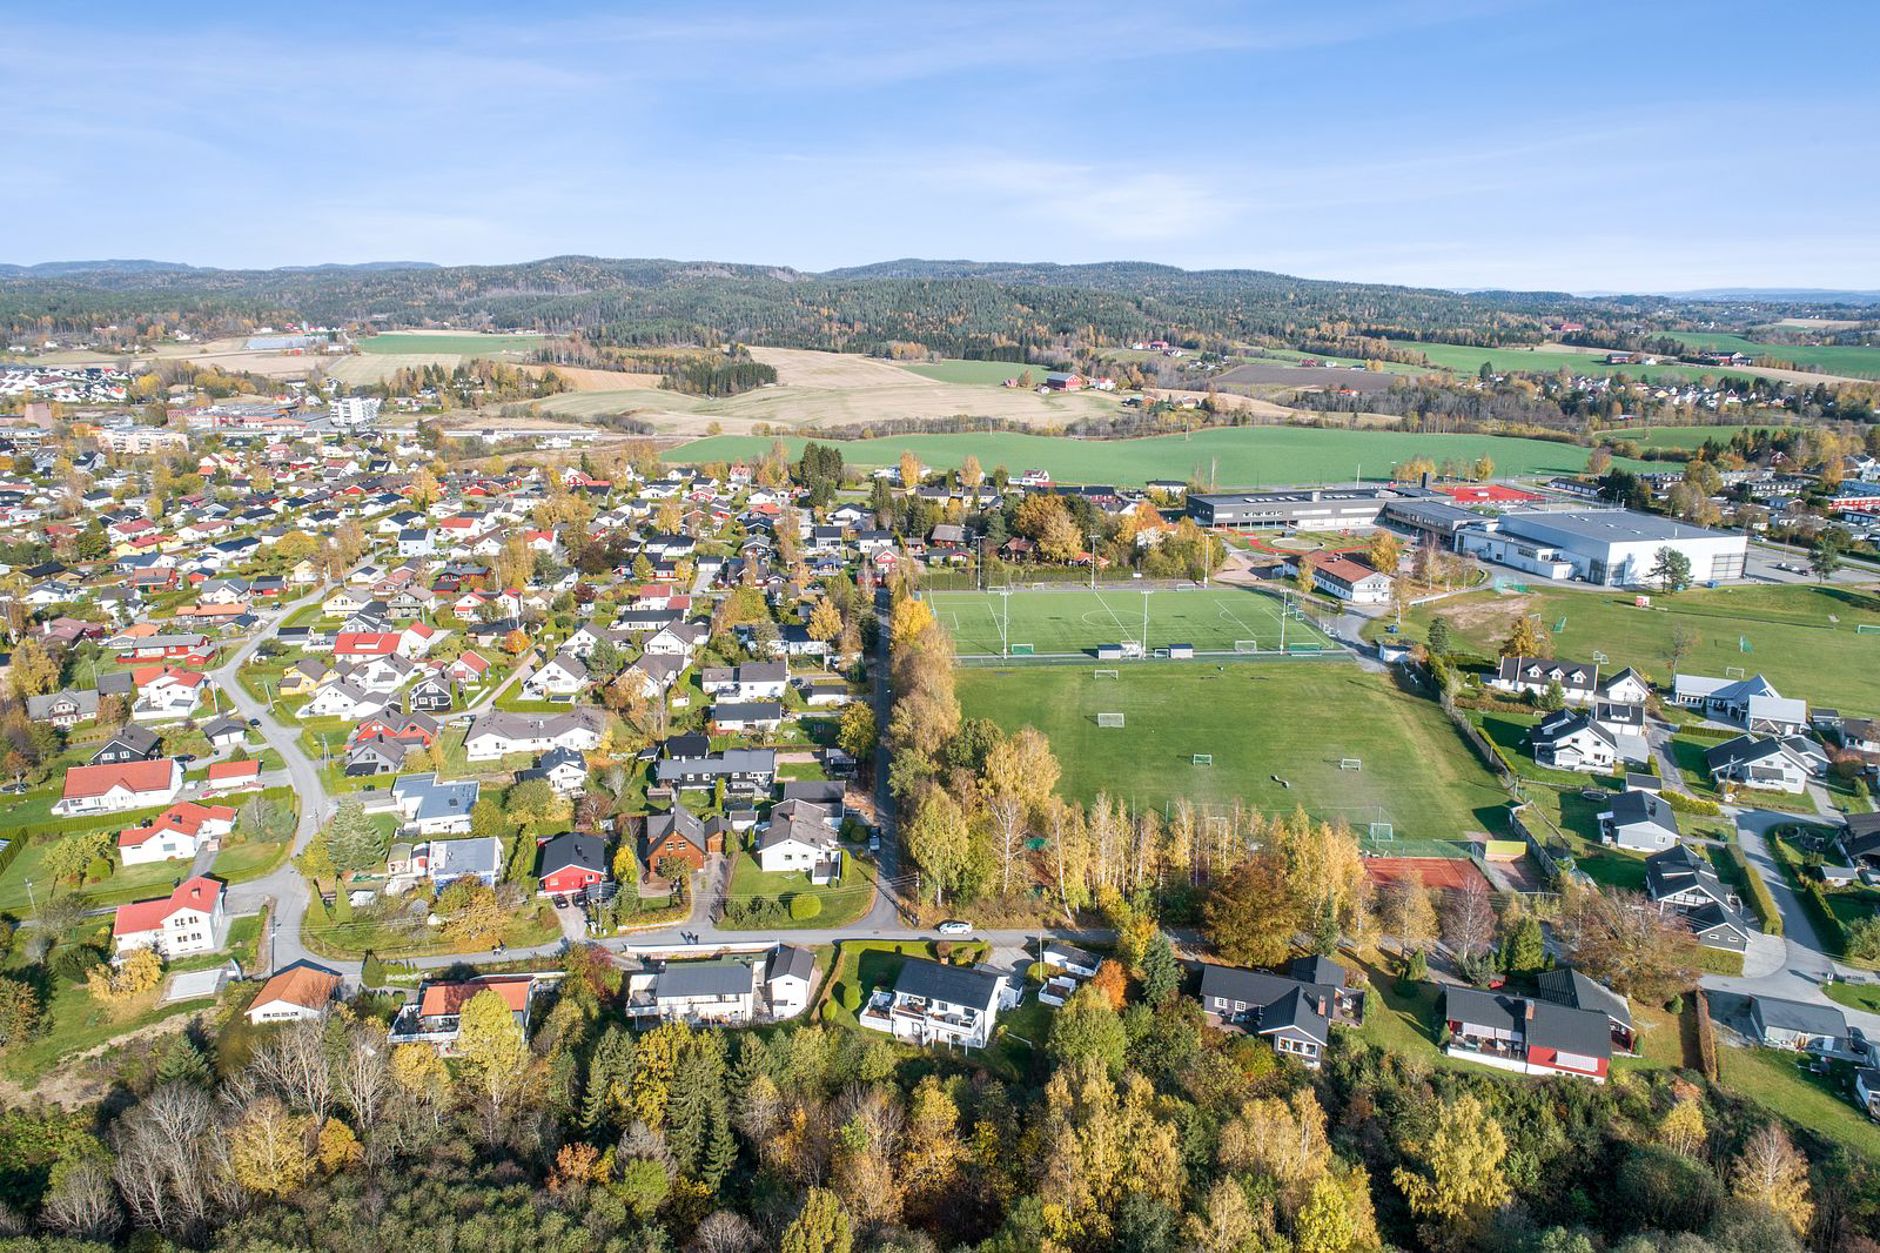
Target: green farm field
(1680,436)
(1793,642)
(1253,717)
(465,343)
(1073,620)
(1852,360)
(1235,456)
(993,373)
(1466,360)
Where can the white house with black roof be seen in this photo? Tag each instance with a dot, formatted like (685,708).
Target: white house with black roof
(1679,880)
(1752,703)
(721,993)
(1534,675)
(1626,687)
(935,1003)
(1641,821)
(1767,765)
(1572,740)
(1800,1025)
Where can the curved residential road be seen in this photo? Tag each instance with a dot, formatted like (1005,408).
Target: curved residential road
(284,885)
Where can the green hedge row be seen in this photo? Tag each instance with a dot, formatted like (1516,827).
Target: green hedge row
(1814,899)
(1692,804)
(1757,891)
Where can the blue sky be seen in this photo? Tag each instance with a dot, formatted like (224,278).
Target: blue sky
(1634,146)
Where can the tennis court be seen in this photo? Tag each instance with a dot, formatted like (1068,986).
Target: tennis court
(1059,621)
(1435,873)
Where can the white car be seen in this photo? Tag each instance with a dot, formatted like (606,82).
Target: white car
(953,926)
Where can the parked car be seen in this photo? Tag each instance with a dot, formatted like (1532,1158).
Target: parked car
(956,926)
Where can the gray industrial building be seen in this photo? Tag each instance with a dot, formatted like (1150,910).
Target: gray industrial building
(1608,547)
(1297,509)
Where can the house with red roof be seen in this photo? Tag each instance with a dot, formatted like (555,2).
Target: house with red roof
(233,776)
(119,787)
(434,1018)
(178,831)
(356,644)
(192,919)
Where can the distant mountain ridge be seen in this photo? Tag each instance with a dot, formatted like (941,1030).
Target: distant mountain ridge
(59,269)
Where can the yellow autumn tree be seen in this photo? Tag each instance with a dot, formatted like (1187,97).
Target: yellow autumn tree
(268,1148)
(1771,1172)
(338,1148)
(1453,1177)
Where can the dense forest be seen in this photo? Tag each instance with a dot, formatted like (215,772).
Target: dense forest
(955,309)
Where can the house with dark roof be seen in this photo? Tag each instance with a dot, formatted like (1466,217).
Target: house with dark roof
(1564,985)
(677,834)
(1769,765)
(1859,841)
(721,992)
(1572,740)
(936,1003)
(1641,821)
(1534,675)
(128,743)
(572,864)
(1800,1025)
(1294,1011)
(1527,1035)
(1679,880)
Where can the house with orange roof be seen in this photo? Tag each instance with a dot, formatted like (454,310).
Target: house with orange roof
(192,919)
(295,994)
(119,787)
(178,831)
(232,776)
(434,1018)
(167,693)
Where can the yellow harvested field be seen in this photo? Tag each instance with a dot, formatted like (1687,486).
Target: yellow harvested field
(582,379)
(839,371)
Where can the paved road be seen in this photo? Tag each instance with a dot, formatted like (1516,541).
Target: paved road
(1805,966)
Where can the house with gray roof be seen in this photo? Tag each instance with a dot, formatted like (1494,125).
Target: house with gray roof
(721,992)
(1641,821)
(936,1003)
(1564,985)
(1800,1025)
(1295,1011)
(1527,1035)
(432,806)
(1680,880)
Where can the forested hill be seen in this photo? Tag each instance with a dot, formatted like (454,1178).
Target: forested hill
(958,308)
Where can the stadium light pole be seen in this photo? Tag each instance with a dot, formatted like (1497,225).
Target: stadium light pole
(1145,618)
(1093,560)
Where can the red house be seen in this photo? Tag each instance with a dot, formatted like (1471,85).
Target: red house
(572,863)
(365,644)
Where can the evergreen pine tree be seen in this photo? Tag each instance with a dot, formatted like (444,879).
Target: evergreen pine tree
(183,1062)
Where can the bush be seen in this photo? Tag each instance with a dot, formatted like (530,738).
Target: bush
(99,870)
(1037,972)
(1691,804)
(75,961)
(849,996)
(804,906)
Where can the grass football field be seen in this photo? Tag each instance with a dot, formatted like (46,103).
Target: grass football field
(1792,632)
(1263,723)
(466,343)
(992,373)
(1073,619)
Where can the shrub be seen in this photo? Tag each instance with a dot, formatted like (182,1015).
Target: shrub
(849,996)
(804,906)
(98,870)
(75,962)
(1758,893)
(372,971)
(942,949)
(1691,804)
(1037,972)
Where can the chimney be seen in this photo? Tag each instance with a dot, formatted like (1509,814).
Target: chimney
(1529,1015)
(1425,481)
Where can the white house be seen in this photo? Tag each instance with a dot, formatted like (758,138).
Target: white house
(790,980)
(1572,740)
(499,733)
(561,675)
(1351,581)
(934,1003)
(800,837)
(119,787)
(295,993)
(430,806)
(1534,675)
(178,831)
(1765,764)
(721,992)
(192,919)
(1641,821)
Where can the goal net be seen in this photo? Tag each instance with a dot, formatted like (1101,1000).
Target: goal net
(1867,628)
(1351,763)
(1022,650)
(1109,720)
(1381,832)
(1108,674)
(1204,759)
(1246,646)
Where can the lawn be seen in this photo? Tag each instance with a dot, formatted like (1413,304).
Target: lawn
(1678,436)
(1253,718)
(1852,360)
(1855,995)
(80,1022)
(843,903)
(1232,456)
(1777,1081)
(534,925)
(871,964)
(1801,638)
(1076,619)
(239,863)
(466,343)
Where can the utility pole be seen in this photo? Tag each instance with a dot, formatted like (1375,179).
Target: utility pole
(1145,618)
(1093,560)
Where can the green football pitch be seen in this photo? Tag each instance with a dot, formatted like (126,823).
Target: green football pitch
(1327,736)
(1057,621)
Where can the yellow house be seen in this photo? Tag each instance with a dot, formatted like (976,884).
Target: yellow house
(302,679)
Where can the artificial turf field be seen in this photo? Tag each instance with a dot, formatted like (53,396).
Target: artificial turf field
(1294,719)
(1794,637)
(1075,619)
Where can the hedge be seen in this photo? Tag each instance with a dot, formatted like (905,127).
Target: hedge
(1706,1037)
(1760,899)
(1692,804)
(1814,898)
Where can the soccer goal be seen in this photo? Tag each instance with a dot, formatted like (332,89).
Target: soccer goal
(1867,628)
(1734,672)
(1381,833)
(1109,720)
(1600,658)
(1246,646)
(1107,674)
(1023,650)
(1203,759)
(1351,763)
